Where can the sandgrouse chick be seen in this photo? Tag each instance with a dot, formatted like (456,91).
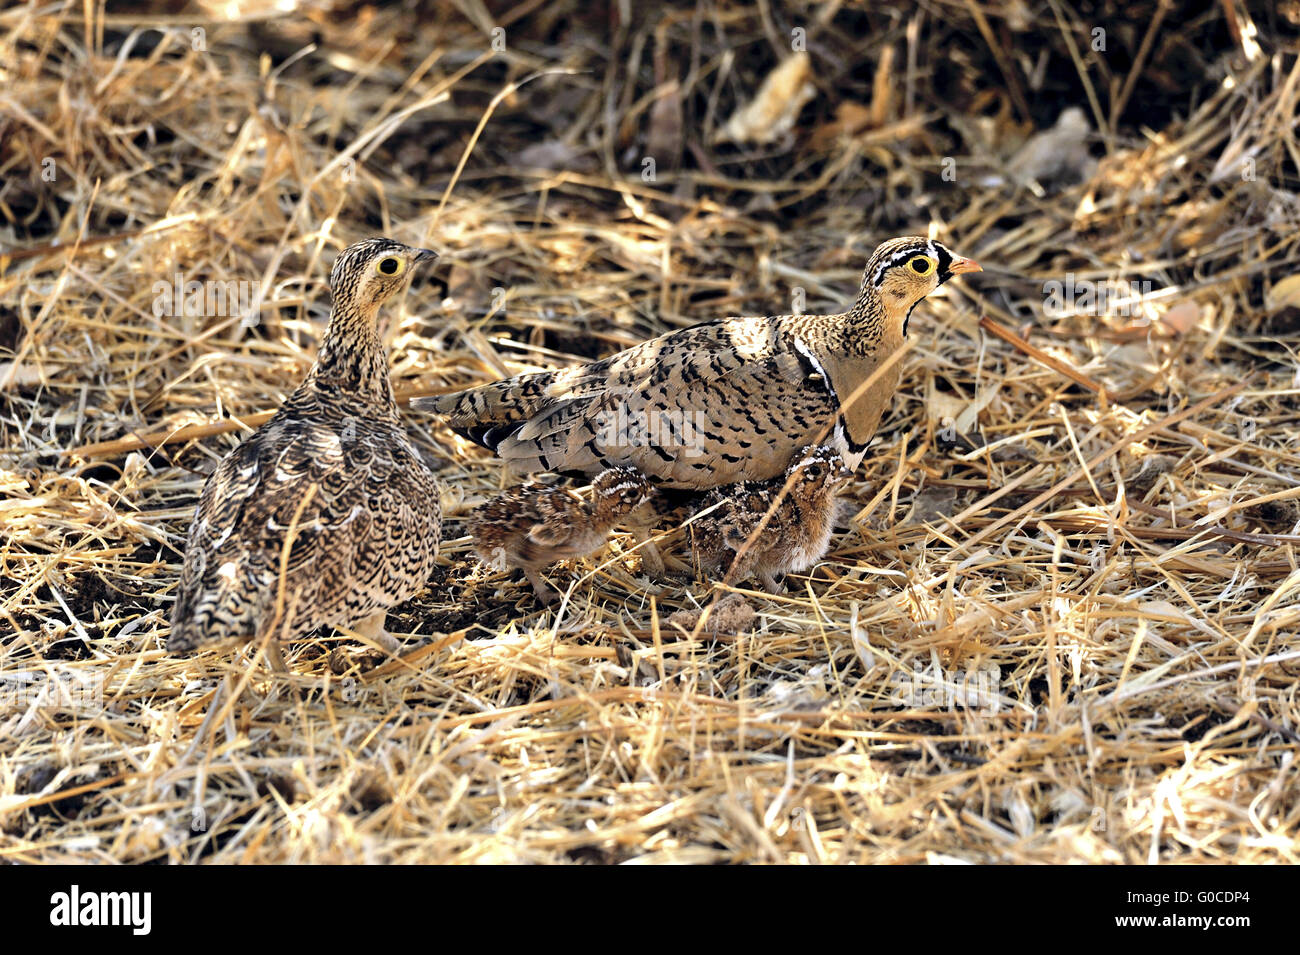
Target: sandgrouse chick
(332,476)
(727,400)
(534,525)
(800,510)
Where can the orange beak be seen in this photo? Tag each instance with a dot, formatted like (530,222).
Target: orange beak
(960,266)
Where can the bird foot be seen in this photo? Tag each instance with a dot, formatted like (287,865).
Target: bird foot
(372,631)
(378,644)
(547,595)
(343,659)
(366,658)
(652,562)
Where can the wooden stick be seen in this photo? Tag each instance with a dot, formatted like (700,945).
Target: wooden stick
(191,432)
(1040,356)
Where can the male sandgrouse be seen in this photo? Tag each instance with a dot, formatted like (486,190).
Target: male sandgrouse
(325,516)
(727,400)
(799,507)
(533,526)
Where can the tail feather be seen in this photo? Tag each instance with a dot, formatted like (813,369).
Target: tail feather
(447,405)
(489,436)
(218,603)
(497,401)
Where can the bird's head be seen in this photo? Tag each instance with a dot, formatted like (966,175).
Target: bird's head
(903,271)
(618,491)
(370,272)
(818,466)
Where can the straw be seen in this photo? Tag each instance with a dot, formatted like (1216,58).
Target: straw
(1059,621)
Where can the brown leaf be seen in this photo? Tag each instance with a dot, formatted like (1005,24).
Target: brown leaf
(664,138)
(1283,294)
(850,118)
(773,110)
(1181,318)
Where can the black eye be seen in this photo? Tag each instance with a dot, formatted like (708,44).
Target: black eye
(921,265)
(814,471)
(390,266)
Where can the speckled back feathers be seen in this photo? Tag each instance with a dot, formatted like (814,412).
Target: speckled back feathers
(723,401)
(326,514)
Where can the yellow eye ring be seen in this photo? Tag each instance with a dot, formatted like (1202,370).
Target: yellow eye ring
(921,265)
(390,266)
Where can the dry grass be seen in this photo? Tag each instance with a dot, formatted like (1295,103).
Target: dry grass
(1115,543)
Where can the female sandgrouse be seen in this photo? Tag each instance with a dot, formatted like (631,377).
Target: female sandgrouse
(779,526)
(724,401)
(534,525)
(325,516)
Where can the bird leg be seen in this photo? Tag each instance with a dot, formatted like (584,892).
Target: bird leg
(547,594)
(275,657)
(272,655)
(652,562)
(373,630)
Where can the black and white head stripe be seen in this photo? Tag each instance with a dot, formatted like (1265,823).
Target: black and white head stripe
(812,367)
(814,454)
(901,250)
(625,486)
(618,479)
(353,259)
(941,255)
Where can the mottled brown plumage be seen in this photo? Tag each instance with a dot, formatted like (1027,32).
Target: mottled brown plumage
(534,525)
(333,472)
(799,507)
(723,401)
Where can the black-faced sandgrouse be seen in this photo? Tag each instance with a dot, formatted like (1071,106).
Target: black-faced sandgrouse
(779,526)
(723,401)
(325,516)
(534,526)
